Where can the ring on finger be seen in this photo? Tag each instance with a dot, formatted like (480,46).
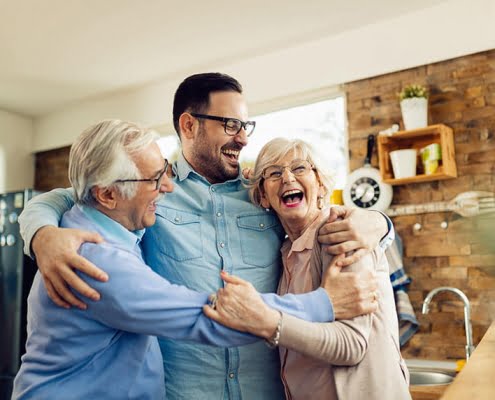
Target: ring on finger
(212,300)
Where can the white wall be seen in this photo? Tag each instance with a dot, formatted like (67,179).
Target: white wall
(448,30)
(16,160)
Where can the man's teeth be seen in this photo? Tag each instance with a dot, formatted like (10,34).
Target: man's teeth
(232,152)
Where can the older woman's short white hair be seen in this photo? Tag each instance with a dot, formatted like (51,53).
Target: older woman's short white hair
(273,152)
(104,153)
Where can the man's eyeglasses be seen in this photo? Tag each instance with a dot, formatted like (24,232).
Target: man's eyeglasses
(158,180)
(231,126)
(296,167)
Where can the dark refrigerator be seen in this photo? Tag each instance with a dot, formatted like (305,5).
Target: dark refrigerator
(16,275)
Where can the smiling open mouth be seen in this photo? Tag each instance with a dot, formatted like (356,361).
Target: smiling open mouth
(232,155)
(292,197)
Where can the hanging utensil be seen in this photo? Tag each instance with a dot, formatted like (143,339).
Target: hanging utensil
(467,204)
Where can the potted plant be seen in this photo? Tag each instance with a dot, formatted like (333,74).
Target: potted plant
(414,106)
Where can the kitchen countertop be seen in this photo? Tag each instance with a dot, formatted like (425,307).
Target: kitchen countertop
(427,392)
(477,378)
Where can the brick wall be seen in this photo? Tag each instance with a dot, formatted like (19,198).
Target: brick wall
(462,96)
(51,169)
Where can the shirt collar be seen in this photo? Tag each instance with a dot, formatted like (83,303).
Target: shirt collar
(111,229)
(307,240)
(182,169)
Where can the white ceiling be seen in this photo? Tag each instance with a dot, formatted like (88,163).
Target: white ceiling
(55,52)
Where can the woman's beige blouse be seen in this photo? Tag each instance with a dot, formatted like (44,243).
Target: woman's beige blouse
(347,359)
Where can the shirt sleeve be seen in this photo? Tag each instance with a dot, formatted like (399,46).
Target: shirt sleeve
(313,306)
(387,240)
(136,299)
(42,210)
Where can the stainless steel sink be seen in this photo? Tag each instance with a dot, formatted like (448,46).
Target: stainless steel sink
(429,378)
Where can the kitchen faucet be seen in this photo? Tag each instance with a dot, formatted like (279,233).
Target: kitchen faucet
(467,313)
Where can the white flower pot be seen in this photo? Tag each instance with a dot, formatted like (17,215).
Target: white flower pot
(414,112)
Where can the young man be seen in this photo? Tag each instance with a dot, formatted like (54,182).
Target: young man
(106,351)
(210,226)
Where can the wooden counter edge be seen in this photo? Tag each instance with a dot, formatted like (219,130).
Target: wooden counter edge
(476,380)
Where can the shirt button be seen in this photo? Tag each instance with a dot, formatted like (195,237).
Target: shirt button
(222,244)
(262,225)
(212,189)
(219,214)
(231,375)
(176,219)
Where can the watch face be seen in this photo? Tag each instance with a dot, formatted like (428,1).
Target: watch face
(365,192)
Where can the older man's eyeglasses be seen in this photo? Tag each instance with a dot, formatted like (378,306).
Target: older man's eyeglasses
(158,179)
(231,126)
(296,167)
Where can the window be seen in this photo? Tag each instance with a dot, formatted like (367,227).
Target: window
(169,146)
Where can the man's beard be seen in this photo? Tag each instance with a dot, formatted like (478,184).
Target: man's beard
(210,164)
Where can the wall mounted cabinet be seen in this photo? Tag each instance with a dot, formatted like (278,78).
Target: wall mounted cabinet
(417,139)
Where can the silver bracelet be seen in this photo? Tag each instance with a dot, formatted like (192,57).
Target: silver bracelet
(274,340)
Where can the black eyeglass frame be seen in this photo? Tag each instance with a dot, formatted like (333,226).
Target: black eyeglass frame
(157,180)
(225,120)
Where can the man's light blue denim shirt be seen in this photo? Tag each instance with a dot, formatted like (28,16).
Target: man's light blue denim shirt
(106,352)
(211,227)
(216,227)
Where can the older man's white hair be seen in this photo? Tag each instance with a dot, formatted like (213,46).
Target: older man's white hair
(103,154)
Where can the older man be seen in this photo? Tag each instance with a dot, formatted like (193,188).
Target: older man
(106,351)
(207,225)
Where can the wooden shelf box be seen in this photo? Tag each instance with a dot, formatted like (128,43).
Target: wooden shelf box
(417,139)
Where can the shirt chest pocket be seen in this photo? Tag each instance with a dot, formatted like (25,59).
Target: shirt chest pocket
(261,237)
(182,234)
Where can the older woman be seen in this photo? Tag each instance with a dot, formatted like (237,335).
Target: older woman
(348,359)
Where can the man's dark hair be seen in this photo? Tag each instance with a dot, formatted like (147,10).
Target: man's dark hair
(193,94)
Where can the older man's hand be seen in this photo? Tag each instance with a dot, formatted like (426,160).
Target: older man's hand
(352,231)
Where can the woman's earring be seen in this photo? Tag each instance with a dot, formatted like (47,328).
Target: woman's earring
(319,202)
(265,204)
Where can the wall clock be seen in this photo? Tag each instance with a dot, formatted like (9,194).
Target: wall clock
(365,188)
